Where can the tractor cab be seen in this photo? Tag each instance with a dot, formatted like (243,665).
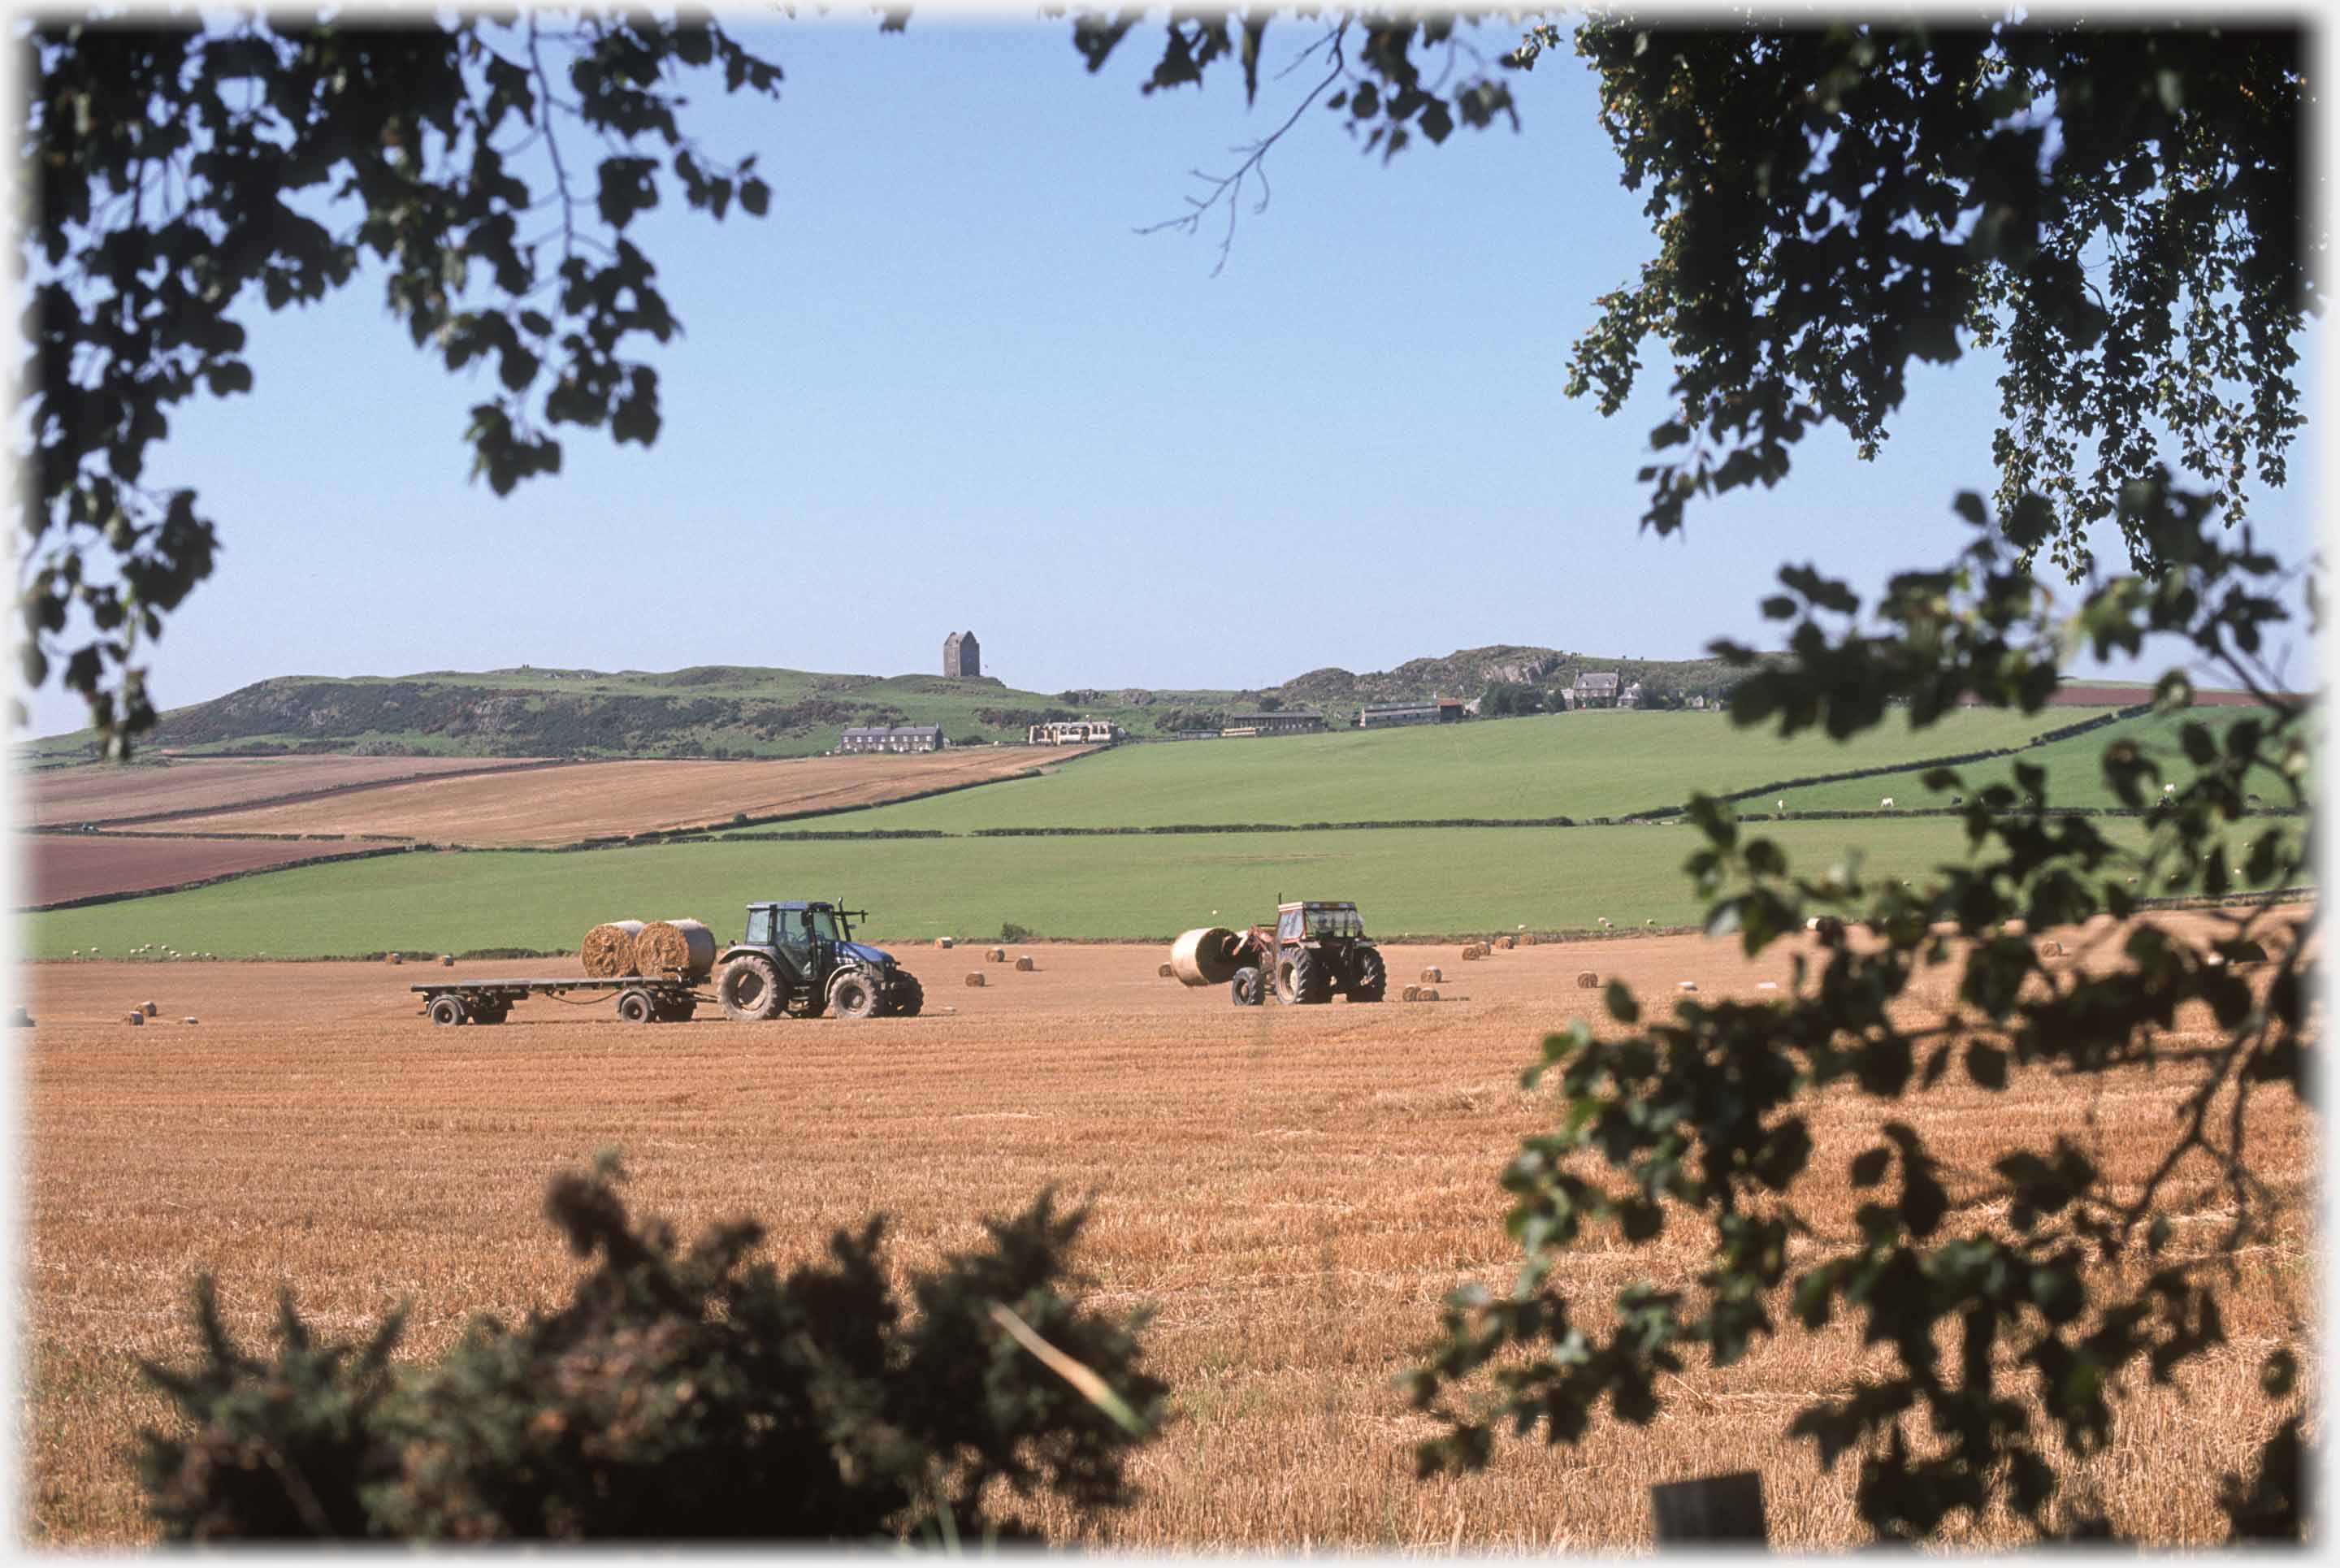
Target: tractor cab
(1316,922)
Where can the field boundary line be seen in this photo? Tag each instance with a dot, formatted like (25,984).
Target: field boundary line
(2046,738)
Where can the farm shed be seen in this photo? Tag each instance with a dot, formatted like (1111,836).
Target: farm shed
(1275,724)
(1076,732)
(906,738)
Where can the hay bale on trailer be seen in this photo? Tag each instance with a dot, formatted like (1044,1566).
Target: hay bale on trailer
(607,950)
(682,947)
(1587,979)
(975,976)
(1025,964)
(1204,956)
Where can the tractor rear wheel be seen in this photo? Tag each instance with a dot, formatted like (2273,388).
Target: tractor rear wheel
(909,996)
(1302,980)
(749,989)
(1369,977)
(1246,988)
(855,994)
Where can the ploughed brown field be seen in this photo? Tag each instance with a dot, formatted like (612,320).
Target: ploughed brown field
(101,793)
(1290,1190)
(593,799)
(63,867)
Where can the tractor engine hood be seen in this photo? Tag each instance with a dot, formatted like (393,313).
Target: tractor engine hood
(875,958)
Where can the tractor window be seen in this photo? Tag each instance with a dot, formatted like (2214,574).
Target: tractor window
(759,928)
(822,925)
(1334,923)
(1287,929)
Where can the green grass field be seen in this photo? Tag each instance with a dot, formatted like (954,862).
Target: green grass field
(1577,765)
(2076,779)
(1414,879)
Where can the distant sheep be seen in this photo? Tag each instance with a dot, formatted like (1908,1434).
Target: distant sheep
(1885,804)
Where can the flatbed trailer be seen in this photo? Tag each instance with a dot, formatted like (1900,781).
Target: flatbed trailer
(641,998)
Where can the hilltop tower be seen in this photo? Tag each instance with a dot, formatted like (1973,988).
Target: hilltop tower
(962,655)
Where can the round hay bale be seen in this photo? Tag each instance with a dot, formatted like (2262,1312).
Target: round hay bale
(975,976)
(446,960)
(190,1018)
(1528,940)
(945,942)
(149,1008)
(1204,956)
(1686,985)
(1427,993)
(136,1016)
(1508,943)
(21,1020)
(996,955)
(608,949)
(2051,949)
(1411,993)
(393,958)
(1472,952)
(1025,964)
(1433,973)
(1586,979)
(684,947)
(1167,972)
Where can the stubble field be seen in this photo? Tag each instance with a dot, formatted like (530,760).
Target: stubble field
(100,792)
(588,800)
(1290,1190)
(67,866)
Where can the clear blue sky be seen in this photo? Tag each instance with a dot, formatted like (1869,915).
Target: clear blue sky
(944,386)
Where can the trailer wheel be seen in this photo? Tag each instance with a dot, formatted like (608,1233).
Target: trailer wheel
(855,995)
(1245,988)
(749,989)
(1370,978)
(638,1007)
(448,1010)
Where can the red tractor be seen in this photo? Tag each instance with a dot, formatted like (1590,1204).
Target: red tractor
(1313,952)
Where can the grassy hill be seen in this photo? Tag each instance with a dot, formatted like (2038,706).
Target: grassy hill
(1577,765)
(709,711)
(742,710)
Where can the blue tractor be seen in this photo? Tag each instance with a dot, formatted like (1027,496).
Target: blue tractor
(798,960)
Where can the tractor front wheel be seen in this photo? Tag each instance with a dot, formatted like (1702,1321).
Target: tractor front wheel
(909,996)
(749,989)
(1369,979)
(1246,988)
(855,995)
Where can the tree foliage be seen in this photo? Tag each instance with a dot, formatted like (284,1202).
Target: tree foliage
(679,1394)
(1702,1120)
(181,177)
